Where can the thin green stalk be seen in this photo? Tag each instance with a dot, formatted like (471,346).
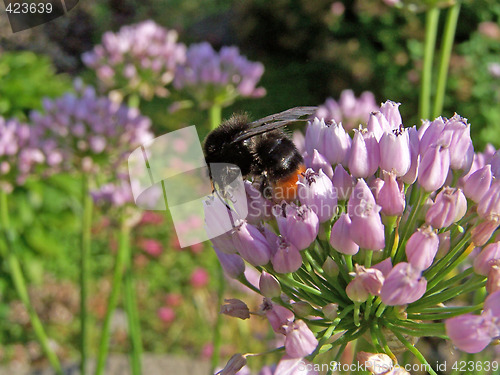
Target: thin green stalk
(120,264)
(134,328)
(217,340)
(20,285)
(431,26)
(444,60)
(85,254)
(215,116)
(415,352)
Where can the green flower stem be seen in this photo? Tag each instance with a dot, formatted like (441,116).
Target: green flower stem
(389,233)
(383,340)
(419,329)
(444,61)
(313,262)
(215,116)
(242,279)
(348,262)
(443,296)
(368,308)
(217,340)
(447,283)
(130,302)
(356,314)
(415,352)
(380,310)
(443,313)
(436,271)
(368,258)
(290,281)
(20,285)
(431,26)
(375,340)
(85,253)
(120,264)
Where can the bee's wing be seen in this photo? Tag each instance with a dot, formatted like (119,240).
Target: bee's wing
(278,120)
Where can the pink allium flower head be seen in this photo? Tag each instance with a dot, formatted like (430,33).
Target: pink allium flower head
(316,191)
(277,315)
(411,176)
(422,247)
(493,282)
(151,246)
(339,237)
(478,183)
(391,198)
(342,183)
(269,286)
(299,340)
(259,208)
(449,207)
(317,162)
(251,244)
(348,110)
(166,314)
(487,258)
(403,285)
(199,278)
(140,58)
(232,264)
(208,74)
(482,232)
(434,168)
(235,308)
(364,158)
(395,151)
(287,257)
(470,333)
(489,205)
(336,143)
(299,225)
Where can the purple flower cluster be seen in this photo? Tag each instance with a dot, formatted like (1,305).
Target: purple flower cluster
(19,153)
(384,216)
(140,58)
(218,78)
(88,132)
(349,110)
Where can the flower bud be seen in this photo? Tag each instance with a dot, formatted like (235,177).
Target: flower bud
(287,257)
(411,175)
(434,168)
(403,285)
(235,364)
(390,110)
(489,205)
(342,183)
(364,158)
(336,143)
(235,308)
(317,162)
(251,244)
(367,230)
(356,291)
(395,152)
(339,237)
(259,208)
(487,258)
(482,232)
(378,125)
(299,340)
(376,363)
(422,247)
(316,191)
(469,333)
(299,225)
(478,183)
(430,134)
(314,136)
(269,286)
(302,309)
(493,282)
(232,264)
(331,268)
(456,134)
(361,195)
(277,315)
(330,311)
(391,198)
(449,207)
(384,266)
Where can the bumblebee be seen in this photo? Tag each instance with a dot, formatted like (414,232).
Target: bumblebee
(260,149)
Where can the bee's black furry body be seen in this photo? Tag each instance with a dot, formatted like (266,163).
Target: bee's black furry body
(270,155)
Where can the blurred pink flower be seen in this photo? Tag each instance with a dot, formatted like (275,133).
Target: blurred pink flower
(151,246)
(199,278)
